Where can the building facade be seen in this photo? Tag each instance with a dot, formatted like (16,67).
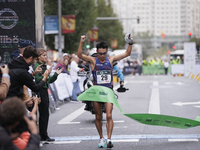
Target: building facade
(168,20)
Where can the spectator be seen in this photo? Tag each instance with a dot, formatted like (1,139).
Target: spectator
(44,105)
(21,47)
(12,111)
(73,72)
(64,66)
(166,65)
(22,141)
(5,82)
(20,76)
(197,47)
(66,56)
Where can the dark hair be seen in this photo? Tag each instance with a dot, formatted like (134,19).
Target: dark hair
(12,110)
(102,44)
(30,51)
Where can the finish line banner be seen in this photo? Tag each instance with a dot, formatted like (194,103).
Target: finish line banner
(17,21)
(104,94)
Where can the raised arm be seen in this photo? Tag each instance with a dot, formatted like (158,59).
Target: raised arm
(79,53)
(129,39)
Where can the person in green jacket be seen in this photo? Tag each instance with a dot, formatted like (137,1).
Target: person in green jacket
(43,93)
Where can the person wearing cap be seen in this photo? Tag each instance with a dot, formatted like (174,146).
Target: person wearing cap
(21,47)
(66,56)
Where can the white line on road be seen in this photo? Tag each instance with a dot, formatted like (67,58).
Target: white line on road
(197,106)
(124,127)
(186,103)
(72,116)
(183,140)
(64,142)
(120,121)
(154,106)
(130,140)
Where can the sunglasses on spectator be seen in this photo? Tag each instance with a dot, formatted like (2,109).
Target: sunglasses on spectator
(102,53)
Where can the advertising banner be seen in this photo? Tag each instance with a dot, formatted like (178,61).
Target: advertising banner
(93,35)
(51,24)
(189,58)
(68,24)
(17,21)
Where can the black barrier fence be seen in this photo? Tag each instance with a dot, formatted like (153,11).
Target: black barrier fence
(128,69)
(17,21)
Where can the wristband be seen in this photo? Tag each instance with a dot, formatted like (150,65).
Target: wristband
(6,75)
(130,43)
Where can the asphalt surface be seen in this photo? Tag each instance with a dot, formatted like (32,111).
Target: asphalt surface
(74,129)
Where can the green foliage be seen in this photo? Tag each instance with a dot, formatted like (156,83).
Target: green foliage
(144,38)
(109,29)
(85,13)
(162,51)
(194,39)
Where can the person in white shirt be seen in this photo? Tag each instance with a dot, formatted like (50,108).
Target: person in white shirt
(166,65)
(73,72)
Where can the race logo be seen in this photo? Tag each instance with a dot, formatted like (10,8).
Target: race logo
(91,93)
(103,93)
(8,18)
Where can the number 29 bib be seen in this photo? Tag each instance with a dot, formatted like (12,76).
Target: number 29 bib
(103,76)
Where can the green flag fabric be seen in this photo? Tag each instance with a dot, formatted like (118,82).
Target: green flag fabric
(104,94)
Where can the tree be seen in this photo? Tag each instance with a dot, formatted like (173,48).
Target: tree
(85,13)
(109,29)
(144,38)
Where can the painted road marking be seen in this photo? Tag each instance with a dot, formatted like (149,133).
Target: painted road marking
(183,140)
(177,83)
(131,137)
(123,127)
(186,103)
(72,116)
(119,121)
(131,140)
(154,106)
(64,142)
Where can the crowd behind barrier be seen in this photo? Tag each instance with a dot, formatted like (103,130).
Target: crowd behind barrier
(62,88)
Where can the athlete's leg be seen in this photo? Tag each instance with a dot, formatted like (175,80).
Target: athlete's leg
(109,124)
(98,117)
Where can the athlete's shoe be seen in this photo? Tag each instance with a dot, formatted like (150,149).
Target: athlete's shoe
(102,143)
(109,144)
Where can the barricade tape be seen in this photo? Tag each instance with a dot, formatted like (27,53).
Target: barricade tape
(104,94)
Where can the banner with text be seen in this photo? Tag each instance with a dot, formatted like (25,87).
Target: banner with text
(17,21)
(51,24)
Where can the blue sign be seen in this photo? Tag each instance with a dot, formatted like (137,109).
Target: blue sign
(51,24)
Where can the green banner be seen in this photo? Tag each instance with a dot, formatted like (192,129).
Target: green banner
(104,94)
(157,69)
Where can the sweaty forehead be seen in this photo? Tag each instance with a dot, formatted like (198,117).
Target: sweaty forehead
(102,50)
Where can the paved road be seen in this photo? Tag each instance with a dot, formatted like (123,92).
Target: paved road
(74,129)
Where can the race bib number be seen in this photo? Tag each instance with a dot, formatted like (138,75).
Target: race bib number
(103,77)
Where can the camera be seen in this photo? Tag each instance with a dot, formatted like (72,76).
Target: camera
(44,68)
(22,126)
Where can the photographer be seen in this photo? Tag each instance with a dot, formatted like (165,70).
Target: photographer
(19,75)
(12,113)
(5,82)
